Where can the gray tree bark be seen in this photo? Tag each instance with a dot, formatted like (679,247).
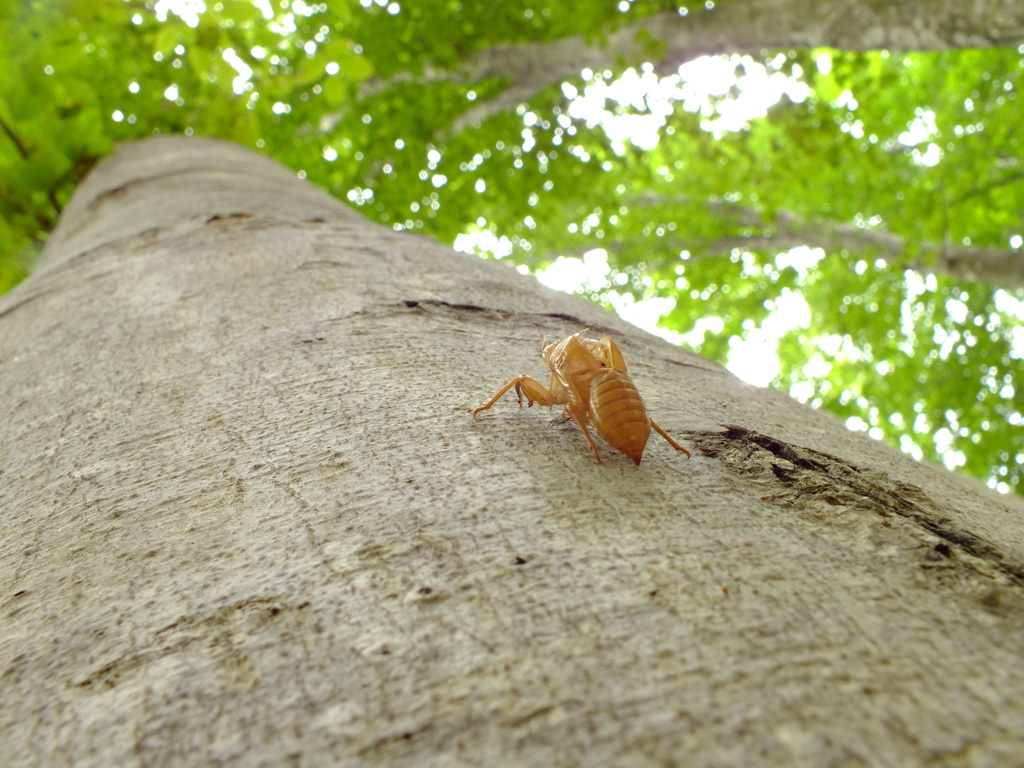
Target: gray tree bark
(248,520)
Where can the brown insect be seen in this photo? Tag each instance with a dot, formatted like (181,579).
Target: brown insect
(589,378)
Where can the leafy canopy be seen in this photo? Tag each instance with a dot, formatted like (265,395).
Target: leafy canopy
(816,227)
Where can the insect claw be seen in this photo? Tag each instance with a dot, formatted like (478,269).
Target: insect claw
(519,394)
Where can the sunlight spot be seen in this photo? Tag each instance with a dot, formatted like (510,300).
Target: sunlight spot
(909,447)
(727,90)
(573,275)
(944,439)
(957,311)
(755,358)
(701,328)
(528,141)
(802,259)
(802,391)
(790,311)
(1012,308)
(921,129)
(930,157)
(644,314)
(244,70)
(186,10)
(817,368)
(823,61)
(856,424)
(301,8)
(483,242)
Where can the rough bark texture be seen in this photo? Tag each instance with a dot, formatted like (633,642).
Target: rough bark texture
(247,519)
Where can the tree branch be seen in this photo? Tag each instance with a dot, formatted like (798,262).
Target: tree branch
(9,132)
(1002,267)
(732,27)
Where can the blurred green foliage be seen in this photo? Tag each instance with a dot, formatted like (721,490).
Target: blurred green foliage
(365,99)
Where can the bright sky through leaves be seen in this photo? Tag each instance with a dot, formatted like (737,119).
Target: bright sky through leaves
(753,359)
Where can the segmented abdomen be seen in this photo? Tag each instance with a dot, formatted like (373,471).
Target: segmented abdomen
(618,413)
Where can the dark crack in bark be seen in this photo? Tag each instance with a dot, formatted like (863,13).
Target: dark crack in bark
(809,474)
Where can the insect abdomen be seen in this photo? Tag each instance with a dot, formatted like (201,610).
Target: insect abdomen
(618,413)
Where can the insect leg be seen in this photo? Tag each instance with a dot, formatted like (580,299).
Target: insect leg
(671,442)
(534,390)
(586,433)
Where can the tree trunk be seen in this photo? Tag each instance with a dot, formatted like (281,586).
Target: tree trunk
(248,519)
